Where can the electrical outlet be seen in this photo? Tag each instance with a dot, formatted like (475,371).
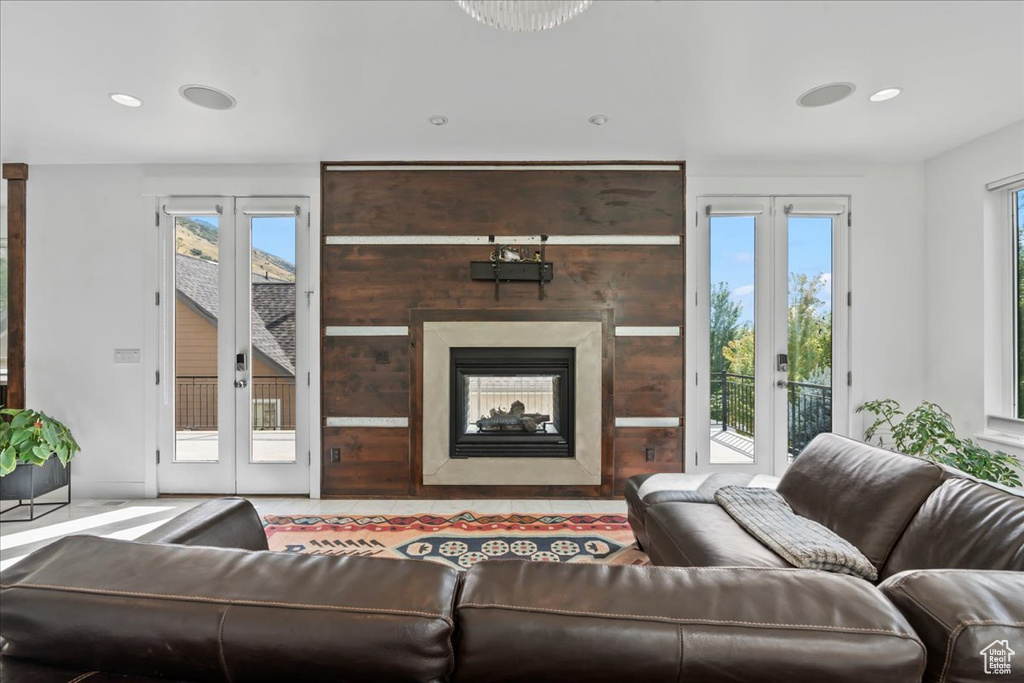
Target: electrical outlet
(127,356)
(649,453)
(335,455)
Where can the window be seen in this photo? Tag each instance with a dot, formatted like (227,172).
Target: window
(1017,212)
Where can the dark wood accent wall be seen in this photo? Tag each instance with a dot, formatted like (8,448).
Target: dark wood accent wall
(403,285)
(16,176)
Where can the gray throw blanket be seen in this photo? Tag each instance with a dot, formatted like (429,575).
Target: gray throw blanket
(802,542)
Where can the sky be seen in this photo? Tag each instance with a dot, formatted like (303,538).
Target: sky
(732,256)
(272,234)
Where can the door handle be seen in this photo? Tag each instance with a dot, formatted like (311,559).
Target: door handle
(241,383)
(781,384)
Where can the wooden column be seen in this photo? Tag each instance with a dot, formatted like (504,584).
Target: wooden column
(16,176)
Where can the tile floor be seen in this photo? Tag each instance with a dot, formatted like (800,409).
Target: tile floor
(128,519)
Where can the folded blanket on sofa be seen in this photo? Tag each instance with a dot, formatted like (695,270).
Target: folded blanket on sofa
(800,541)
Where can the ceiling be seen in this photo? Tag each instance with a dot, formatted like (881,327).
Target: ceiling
(357,80)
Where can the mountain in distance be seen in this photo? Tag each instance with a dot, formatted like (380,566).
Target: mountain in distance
(199,239)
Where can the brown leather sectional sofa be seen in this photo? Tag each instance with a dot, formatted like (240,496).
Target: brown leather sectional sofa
(200,599)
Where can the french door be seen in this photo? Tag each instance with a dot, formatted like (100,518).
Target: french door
(771,322)
(234,345)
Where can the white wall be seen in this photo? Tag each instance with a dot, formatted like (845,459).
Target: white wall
(886,261)
(968,240)
(92,255)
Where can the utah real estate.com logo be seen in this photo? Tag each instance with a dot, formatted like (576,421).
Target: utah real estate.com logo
(997,657)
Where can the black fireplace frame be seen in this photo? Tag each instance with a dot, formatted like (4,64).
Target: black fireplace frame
(511,362)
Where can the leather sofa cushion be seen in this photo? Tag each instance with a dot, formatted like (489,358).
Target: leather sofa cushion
(959,613)
(699,535)
(195,613)
(545,622)
(865,494)
(220,523)
(645,490)
(21,671)
(964,524)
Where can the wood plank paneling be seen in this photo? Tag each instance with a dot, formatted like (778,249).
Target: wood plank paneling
(372,461)
(378,285)
(374,285)
(355,384)
(648,376)
(630,452)
(17,217)
(569,202)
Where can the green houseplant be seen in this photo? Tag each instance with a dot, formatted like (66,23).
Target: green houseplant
(927,431)
(31,437)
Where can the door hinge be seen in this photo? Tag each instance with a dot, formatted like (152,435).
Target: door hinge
(696,380)
(849,298)
(158,456)
(156,218)
(157,297)
(849,219)
(308,220)
(309,458)
(158,377)
(307,379)
(309,298)
(849,379)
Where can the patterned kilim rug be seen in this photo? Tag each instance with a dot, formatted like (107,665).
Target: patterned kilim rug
(460,540)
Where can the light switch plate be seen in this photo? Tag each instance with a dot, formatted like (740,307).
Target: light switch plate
(127,356)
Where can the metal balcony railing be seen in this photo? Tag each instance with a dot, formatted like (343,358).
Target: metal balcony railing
(809,408)
(195,403)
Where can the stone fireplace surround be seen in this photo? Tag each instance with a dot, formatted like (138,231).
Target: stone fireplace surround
(440,469)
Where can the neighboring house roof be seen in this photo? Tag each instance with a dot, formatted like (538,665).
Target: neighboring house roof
(273,308)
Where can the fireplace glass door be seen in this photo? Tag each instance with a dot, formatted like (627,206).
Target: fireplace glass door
(512,402)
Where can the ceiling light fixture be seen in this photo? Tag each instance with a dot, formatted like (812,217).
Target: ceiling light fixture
(598,119)
(885,94)
(826,94)
(524,15)
(207,97)
(438,119)
(126,100)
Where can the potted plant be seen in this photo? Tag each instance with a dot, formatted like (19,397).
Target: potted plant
(35,451)
(927,432)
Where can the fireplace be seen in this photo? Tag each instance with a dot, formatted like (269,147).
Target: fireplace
(553,367)
(512,402)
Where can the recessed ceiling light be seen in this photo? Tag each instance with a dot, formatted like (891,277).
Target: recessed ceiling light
(885,94)
(438,119)
(207,97)
(598,119)
(126,100)
(826,94)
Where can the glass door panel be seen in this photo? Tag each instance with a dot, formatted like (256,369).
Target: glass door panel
(272,297)
(196,308)
(809,330)
(732,341)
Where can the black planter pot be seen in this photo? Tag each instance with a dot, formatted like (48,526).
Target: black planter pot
(28,482)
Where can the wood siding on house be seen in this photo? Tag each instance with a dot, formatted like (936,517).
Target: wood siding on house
(195,368)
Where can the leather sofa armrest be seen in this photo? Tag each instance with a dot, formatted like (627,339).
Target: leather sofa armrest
(220,523)
(540,622)
(968,620)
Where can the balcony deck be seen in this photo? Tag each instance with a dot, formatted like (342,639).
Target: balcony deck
(730,448)
(267,446)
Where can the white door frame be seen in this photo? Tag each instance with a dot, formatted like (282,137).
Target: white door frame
(232,473)
(770,322)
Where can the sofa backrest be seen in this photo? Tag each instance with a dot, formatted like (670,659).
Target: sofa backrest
(964,524)
(865,494)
